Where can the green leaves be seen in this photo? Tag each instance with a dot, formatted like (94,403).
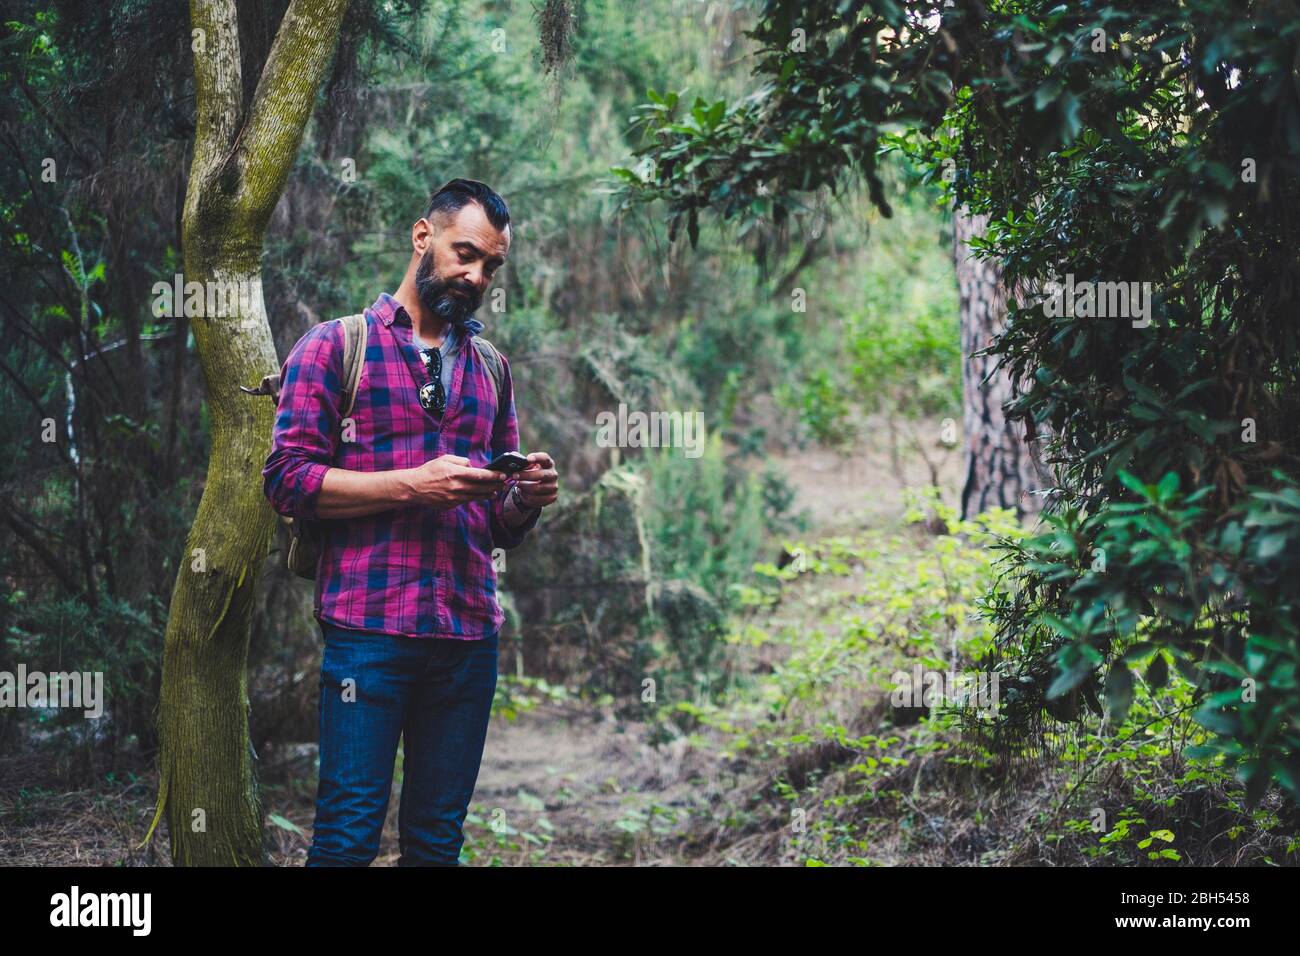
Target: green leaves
(1159,494)
(1159,158)
(1119,692)
(285,824)
(1158,672)
(1047,94)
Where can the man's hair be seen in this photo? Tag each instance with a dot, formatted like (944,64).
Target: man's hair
(457,193)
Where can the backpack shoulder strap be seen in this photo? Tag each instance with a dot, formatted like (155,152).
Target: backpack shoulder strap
(492,359)
(355,333)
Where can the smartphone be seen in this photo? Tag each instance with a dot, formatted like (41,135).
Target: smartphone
(508,463)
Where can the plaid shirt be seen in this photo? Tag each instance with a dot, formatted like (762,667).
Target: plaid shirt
(412,571)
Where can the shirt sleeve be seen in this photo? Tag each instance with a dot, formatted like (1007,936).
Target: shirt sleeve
(305,437)
(505,437)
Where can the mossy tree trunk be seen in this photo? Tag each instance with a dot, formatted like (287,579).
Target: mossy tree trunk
(242,157)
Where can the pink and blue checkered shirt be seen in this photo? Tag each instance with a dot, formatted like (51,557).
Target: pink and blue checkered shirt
(412,571)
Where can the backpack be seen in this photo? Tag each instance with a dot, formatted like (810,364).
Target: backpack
(304,549)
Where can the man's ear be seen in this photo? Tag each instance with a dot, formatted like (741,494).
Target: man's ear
(421,236)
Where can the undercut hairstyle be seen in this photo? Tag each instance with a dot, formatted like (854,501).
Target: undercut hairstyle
(451,198)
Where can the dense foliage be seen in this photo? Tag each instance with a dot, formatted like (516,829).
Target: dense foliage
(107,434)
(1155,144)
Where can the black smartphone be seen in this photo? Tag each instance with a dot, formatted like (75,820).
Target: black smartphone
(508,463)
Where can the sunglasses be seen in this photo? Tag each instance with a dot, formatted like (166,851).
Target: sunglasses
(432,395)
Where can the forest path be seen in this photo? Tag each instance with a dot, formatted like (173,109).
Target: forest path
(594,788)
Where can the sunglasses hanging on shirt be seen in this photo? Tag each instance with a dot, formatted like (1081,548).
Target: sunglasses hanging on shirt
(432,396)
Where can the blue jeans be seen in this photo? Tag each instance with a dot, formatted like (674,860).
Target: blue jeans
(434,693)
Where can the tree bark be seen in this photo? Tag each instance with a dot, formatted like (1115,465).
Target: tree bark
(241,159)
(1002,466)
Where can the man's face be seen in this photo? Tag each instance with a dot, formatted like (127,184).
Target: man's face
(459,262)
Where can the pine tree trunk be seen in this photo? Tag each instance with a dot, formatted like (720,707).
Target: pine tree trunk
(241,160)
(1002,468)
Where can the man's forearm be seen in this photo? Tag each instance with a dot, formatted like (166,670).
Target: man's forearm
(351,494)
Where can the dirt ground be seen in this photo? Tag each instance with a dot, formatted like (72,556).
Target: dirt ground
(866,489)
(592,774)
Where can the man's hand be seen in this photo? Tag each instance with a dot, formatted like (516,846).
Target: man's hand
(539,483)
(448,481)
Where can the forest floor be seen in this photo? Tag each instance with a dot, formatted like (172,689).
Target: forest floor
(606,791)
(567,783)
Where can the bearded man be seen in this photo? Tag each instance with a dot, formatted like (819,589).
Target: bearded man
(405,584)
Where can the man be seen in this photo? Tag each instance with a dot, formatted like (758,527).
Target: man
(405,587)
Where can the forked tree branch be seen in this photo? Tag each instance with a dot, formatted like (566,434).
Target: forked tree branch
(299,59)
(218,83)
(257,151)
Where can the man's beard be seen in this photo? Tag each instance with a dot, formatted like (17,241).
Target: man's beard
(438,296)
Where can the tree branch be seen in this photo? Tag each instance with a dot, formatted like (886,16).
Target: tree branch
(286,92)
(16,520)
(217,82)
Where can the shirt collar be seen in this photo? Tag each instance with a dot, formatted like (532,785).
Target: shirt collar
(389,310)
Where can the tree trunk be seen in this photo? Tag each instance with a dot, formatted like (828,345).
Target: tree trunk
(1002,467)
(241,160)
